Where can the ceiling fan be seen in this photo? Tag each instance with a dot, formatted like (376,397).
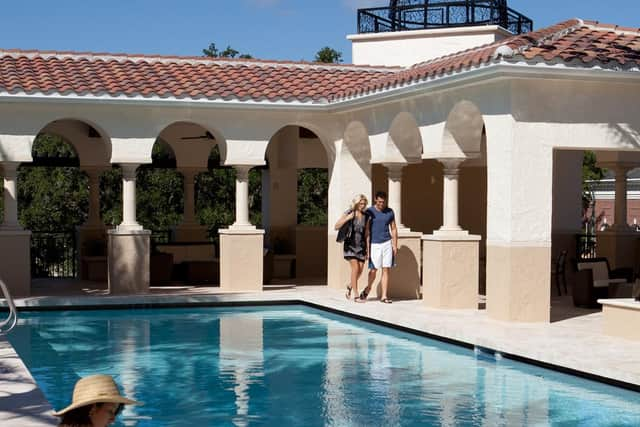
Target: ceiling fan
(207,135)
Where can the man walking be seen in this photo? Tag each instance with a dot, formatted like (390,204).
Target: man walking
(381,235)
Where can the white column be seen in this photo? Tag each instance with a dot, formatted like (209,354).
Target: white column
(394,173)
(242,198)
(620,212)
(450,198)
(94,197)
(129,221)
(10,222)
(189,215)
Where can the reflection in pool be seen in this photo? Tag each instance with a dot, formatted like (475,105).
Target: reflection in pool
(299,366)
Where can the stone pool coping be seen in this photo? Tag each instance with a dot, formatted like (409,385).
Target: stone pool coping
(577,345)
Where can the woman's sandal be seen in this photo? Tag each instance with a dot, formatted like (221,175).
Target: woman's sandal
(348,294)
(365,293)
(386,300)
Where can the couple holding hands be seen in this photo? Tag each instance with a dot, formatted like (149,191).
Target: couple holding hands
(371,235)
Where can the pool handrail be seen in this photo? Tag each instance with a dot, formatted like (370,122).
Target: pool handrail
(12,319)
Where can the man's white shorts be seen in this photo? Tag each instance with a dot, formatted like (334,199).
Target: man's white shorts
(381,254)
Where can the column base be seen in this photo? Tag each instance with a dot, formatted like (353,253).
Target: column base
(450,271)
(518,283)
(618,246)
(404,279)
(92,246)
(241,259)
(190,233)
(15,268)
(128,261)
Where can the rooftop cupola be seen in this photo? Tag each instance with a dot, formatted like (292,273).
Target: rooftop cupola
(411,31)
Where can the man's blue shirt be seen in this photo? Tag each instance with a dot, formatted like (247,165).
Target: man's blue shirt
(379,223)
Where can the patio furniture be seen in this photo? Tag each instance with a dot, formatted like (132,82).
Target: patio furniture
(595,279)
(558,271)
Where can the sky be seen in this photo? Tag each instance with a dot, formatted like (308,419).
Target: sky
(266,29)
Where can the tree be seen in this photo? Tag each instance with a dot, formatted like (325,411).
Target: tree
(213,52)
(328,56)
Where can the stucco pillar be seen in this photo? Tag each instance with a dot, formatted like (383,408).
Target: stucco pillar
(618,242)
(94,196)
(450,256)
(450,197)
(242,199)
(620,211)
(129,244)
(404,281)
(15,242)
(129,221)
(242,244)
(394,174)
(189,230)
(10,171)
(92,234)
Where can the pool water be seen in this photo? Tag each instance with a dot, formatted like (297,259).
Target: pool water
(297,366)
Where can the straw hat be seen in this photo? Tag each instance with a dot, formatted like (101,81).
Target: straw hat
(95,389)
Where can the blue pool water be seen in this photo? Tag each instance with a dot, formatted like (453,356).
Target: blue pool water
(296,366)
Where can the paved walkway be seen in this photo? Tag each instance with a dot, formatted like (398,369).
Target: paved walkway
(574,340)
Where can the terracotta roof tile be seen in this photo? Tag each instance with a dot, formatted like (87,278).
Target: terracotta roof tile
(211,78)
(574,42)
(588,41)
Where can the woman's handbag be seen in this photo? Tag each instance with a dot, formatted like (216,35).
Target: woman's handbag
(345,231)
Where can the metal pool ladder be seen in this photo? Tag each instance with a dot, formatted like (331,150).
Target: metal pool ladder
(12,319)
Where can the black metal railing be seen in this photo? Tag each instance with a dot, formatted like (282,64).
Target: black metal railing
(420,15)
(54,255)
(585,246)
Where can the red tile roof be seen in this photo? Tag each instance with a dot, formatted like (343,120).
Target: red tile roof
(574,42)
(180,77)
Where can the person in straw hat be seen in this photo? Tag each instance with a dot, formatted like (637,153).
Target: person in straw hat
(96,403)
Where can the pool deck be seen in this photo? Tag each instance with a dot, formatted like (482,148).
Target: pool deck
(574,340)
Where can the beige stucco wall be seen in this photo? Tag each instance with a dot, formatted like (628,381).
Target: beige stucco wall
(410,47)
(15,262)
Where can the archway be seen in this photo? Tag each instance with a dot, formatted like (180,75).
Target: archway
(59,197)
(295,204)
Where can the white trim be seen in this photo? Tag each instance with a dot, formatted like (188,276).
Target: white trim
(438,32)
(611,195)
(476,74)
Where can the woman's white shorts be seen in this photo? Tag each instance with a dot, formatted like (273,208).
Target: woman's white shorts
(381,255)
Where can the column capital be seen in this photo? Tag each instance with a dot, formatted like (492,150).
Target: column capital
(451,165)
(394,170)
(129,170)
(242,171)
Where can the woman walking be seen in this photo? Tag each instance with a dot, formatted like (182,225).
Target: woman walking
(355,247)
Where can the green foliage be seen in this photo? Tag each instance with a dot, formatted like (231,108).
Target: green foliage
(159,199)
(46,145)
(313,187)
(52,198)
(590,171)
(328,55)
(229,52)
(111,196)
(216,198)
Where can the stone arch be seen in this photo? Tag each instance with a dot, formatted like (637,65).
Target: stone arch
(356,145)
(404,144)
(192,142)
(90,141)
(463,130)
(295,151)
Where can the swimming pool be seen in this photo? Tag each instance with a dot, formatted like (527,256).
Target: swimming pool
(294,365)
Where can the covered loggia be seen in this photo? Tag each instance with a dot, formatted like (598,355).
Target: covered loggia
(295,185)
